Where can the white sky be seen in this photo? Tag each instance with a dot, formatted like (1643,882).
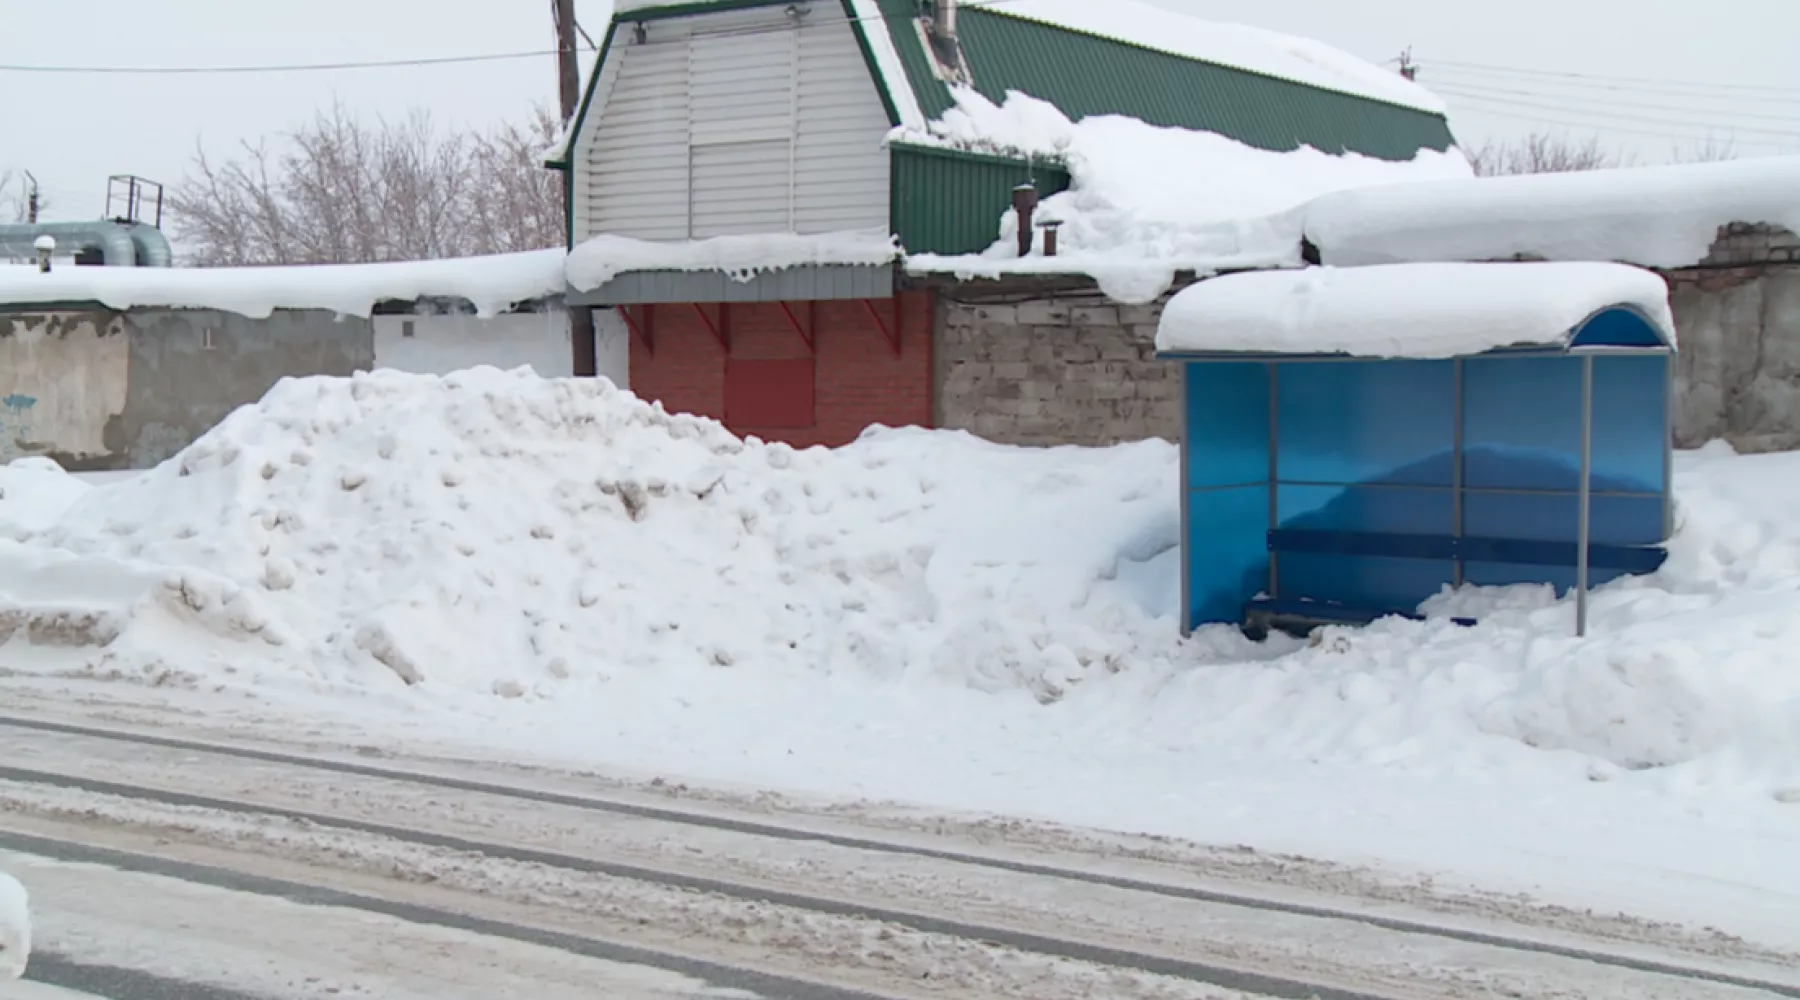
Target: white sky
(74,130)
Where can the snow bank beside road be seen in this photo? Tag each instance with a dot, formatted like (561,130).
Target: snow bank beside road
(495,533)
(487,537)
(34,492)
(15,928)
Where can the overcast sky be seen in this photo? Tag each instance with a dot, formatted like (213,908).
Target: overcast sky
(1650,76)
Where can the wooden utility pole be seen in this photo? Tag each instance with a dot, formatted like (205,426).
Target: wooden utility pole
(568,76)
(584,358)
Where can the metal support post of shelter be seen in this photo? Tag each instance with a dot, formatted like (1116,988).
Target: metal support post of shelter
(1583,525)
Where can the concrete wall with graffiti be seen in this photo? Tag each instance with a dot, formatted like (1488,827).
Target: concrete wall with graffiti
(64,379)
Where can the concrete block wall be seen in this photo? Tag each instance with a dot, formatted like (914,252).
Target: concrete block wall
(1070,369)
(99,390)
(1077,369)
(1738,371)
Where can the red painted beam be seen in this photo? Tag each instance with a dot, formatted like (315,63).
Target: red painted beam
(721,330)
(645,331)
(807,331)
(892,333)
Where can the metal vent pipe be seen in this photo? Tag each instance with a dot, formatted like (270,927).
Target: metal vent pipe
(943,19)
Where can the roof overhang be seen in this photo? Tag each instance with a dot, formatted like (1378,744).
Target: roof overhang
(800,283)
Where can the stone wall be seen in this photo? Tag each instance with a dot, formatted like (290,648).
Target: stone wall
(1073,368)
(1738,371)
(1069,369)
(192,367)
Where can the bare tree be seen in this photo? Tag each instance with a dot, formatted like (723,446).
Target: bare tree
(341,190)
(1544,153)
(15,197)
(1706,151)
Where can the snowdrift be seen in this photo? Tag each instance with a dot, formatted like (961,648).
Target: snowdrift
(488,536)
(498,533)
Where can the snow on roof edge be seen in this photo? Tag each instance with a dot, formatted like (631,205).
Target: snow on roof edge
(492,284)
(898,86)
(1426,311)
(603,258)
(1664,216)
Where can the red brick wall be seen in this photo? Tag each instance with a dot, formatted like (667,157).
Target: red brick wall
(859,381)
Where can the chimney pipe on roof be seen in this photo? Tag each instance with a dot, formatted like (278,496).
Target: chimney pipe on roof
(943,19)
(1025,203)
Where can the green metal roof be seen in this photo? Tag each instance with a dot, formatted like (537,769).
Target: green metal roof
(1084,74)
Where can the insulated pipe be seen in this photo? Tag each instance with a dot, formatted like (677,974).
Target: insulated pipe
(152,246)
(115,242)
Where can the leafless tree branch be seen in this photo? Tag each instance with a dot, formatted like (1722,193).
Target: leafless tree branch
(1545,153)
(15,197)
(342,190)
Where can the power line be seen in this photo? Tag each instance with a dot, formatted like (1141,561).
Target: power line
(1565,87)
(290,68)
(1538,119)
(1590,78)
(1607,103)
(1565,109)
(388,63)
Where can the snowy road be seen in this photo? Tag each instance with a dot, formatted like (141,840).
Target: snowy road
(271,860)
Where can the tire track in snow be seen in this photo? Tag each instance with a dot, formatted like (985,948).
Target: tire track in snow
(722,976)
(778,832)
(1235,979)
(1224,978)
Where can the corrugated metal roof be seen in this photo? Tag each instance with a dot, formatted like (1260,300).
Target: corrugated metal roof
(1085,75)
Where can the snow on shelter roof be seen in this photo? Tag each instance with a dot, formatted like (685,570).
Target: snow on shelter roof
(1665,216)
(491,284)
(1417,310)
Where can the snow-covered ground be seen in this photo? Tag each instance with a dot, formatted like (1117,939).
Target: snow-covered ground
(15,928)
(554,570)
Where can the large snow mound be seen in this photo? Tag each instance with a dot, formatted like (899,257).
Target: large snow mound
(1666,216)
(34,492)
(461,542)
(1146,202)
(495,532)
(1407,310)
(15,928)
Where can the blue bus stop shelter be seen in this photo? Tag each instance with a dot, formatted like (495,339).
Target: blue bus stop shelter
(1358,439)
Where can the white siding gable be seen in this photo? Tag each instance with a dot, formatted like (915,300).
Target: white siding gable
(733,123)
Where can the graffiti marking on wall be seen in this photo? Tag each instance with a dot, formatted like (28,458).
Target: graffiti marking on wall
(62,378)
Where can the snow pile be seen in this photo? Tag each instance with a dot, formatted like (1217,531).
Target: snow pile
(495,533)
(603,258)
(33,494)
(1147,202)
(1258,50)
(491,284)
(1666,216)
(15,928)
(489,539)
(1407,310)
